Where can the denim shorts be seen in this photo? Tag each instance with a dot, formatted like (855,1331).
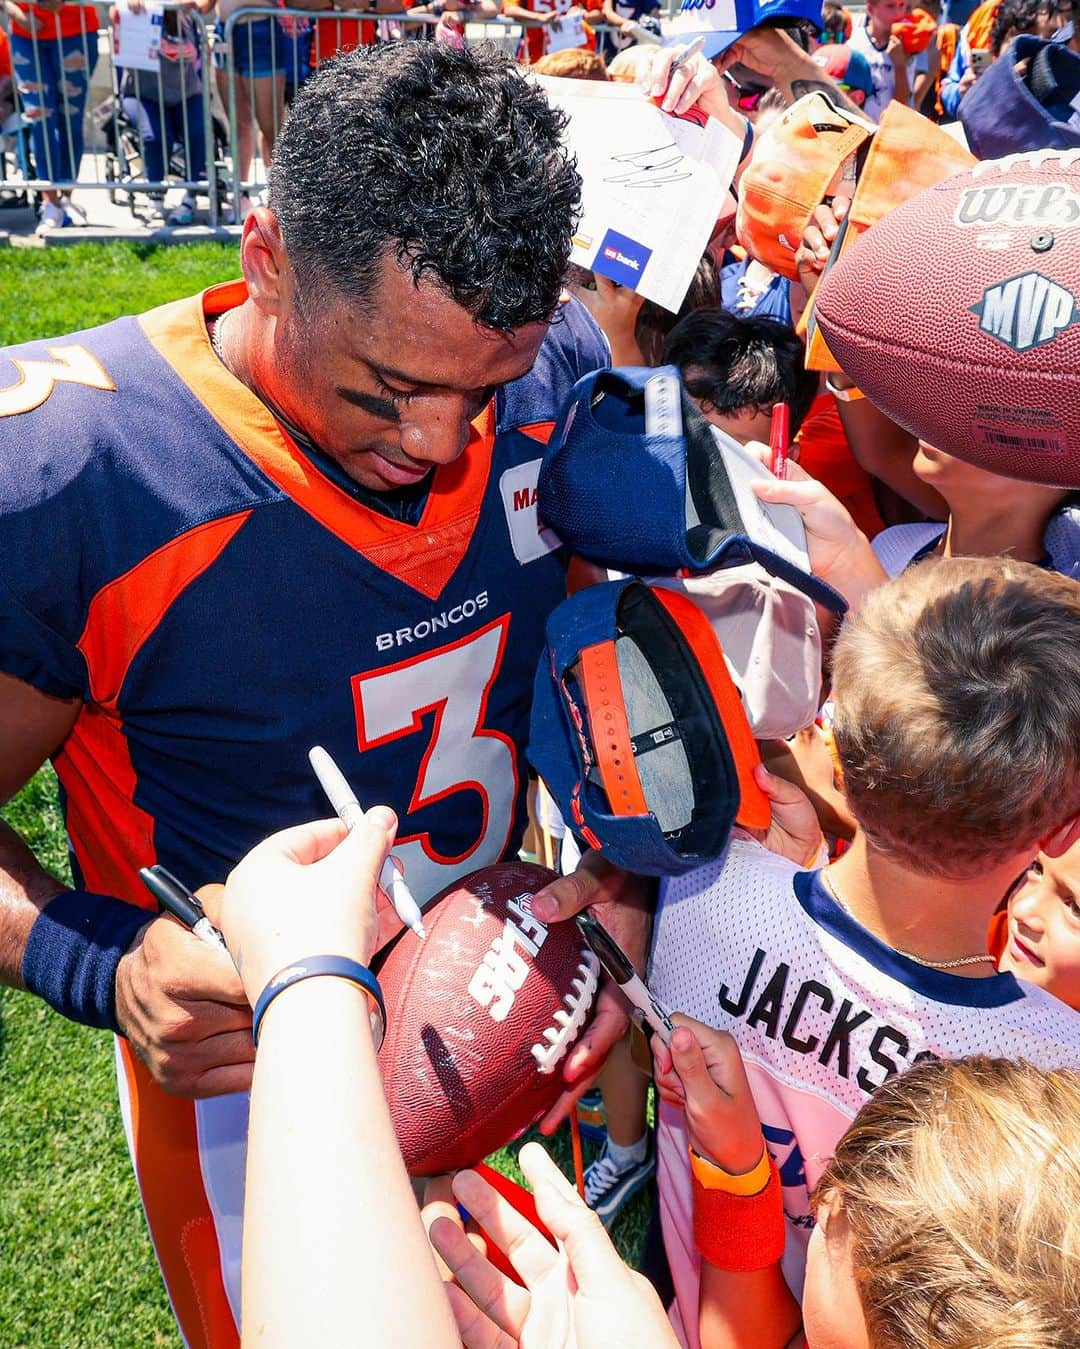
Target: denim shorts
(262,48)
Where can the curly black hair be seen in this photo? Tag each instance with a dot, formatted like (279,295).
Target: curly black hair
(449,159)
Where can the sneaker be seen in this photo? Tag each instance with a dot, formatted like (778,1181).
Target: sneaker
(234,217)
(183,214)
(607,1188)
(74,212)
(592,1121)
(51,217)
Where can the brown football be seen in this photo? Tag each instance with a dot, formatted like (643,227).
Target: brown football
(958,314)
(480,1017)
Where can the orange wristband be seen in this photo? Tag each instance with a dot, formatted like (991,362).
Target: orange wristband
(740,1233)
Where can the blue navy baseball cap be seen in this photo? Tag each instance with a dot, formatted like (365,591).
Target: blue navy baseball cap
(722,22)
(639,731)
(634,478)
(1006,112)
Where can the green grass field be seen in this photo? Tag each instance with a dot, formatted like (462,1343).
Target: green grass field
(76,1265)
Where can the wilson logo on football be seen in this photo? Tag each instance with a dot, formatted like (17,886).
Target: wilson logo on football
(1054,206)
(1026,311)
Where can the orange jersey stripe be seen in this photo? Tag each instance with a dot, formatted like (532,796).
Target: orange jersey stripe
(165,1149)
(125,612)
(423,556)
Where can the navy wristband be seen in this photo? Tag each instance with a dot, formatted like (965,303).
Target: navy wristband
(73,951)
(338,966)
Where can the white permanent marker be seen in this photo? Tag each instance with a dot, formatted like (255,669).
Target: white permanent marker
(350,813)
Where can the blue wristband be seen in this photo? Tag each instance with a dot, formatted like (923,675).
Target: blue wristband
(338,966)
(73,950)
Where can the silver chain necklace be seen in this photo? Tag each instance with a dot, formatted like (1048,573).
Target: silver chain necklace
(830,885)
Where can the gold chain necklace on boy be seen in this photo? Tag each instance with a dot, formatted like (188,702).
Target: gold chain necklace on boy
(932,964)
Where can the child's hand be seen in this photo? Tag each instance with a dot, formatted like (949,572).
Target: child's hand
(817,241)
(793,831)
(703,1073)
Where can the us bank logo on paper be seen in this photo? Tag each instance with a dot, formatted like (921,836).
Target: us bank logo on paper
(621,259)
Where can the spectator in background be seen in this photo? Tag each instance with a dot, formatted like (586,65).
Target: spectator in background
(622,16)
(264,57)
(576,63)
(971,56)
(171,103)
(835,22)
(54,50)
(537,16)
(735,369)
(883,49)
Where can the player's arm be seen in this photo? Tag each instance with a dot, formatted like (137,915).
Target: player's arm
(32,726)
(100,961)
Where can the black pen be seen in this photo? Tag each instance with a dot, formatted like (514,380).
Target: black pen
(618,966)
(175,898)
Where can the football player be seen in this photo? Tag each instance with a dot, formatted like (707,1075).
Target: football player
(295,509)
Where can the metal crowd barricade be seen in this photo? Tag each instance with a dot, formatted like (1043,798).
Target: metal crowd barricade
(281,43)
(53,80)
(248,64)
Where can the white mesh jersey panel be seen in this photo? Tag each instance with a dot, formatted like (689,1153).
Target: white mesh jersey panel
(819,1021)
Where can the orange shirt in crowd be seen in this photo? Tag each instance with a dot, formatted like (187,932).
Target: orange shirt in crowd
(825,454)
(980,24)
(330,36)
(5,54)
(70,22)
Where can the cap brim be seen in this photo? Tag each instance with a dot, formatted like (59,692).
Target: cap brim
(754,811)
(716,41)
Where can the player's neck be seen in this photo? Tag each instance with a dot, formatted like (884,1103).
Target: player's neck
(932,917)
(1015,531)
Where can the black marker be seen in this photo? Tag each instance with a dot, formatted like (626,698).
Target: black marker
(618,966)
(175,898)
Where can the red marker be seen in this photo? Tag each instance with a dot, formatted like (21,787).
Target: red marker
(779,436)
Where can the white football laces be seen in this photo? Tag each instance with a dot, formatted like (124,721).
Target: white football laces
(570,1018)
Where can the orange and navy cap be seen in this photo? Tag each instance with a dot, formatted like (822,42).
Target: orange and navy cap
(639,731)
(906,154)
(791,171)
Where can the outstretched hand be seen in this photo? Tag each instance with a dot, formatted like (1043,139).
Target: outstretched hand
(577,1295)
(839,551)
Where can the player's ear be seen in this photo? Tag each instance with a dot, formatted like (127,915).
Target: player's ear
(1062,839)
(264,262)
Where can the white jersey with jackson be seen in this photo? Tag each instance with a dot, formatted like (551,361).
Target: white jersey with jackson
(823,1013)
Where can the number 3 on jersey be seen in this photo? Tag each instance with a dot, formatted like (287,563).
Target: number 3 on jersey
(454,682)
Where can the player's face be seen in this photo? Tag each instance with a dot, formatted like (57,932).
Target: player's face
(388,388)
(832,1313)
(1044,926)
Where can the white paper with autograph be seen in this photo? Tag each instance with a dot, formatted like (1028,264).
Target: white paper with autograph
(653,185)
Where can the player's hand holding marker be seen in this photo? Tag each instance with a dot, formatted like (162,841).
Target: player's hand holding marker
(621,902)
(182,1008)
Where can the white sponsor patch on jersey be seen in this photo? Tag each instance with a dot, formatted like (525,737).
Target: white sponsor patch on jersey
(528,538)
